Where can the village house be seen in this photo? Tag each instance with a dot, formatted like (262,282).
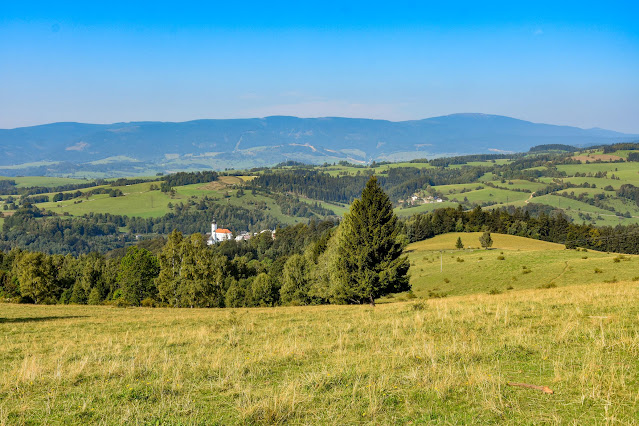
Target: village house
(218,235)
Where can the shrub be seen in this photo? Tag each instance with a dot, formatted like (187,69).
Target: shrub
(548,285)
(147,303)
(494,291)
(459,259)
(446,280)
(598,271)
(419,306)
(500,257)
(510,287)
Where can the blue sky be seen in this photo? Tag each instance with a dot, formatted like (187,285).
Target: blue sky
(574,63)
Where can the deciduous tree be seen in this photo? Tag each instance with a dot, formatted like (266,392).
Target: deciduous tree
(486,240)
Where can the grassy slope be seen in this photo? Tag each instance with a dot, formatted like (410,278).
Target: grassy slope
(573,207)
(481,271)
(444,361)
(47,181)
(137,201)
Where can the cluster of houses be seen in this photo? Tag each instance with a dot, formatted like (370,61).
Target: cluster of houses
(416,199)
(218,235)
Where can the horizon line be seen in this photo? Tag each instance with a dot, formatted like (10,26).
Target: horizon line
(317,118)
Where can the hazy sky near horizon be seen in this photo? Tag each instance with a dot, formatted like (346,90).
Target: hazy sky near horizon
(572,63)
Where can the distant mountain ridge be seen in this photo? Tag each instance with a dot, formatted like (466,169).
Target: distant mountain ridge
(222,143)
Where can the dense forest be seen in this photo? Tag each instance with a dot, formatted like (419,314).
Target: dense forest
(398,182)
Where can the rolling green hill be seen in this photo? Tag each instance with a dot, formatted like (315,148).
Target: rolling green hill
(513,263)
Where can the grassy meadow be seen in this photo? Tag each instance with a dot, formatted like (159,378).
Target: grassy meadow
(513,263)
(45,181)
(437,361)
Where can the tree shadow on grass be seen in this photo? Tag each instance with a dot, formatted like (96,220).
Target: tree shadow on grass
(37,319)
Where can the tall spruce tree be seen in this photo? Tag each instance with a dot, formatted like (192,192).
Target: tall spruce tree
(370,262)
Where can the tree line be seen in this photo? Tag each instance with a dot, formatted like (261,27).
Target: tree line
(355,262)
(533,221)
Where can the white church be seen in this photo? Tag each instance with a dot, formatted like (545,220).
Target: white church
(218,234)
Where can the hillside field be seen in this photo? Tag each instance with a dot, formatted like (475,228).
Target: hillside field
(441,361)
(438,269)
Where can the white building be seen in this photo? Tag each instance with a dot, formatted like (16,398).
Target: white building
(218,234)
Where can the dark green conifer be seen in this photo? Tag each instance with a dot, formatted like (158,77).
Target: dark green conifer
(370,263)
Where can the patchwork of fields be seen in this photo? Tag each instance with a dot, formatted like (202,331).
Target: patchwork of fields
(489,190)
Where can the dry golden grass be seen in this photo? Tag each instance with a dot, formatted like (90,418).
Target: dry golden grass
(224,182)
(594,157)
(471,240)
(437,361)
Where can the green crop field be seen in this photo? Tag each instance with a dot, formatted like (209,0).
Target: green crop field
(513,263)
(441,361)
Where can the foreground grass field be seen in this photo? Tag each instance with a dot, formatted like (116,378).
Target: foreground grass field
(436,361)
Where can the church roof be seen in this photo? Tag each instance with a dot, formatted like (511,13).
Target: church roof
(222,231)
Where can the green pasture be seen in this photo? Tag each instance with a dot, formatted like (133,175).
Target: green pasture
(520,184)
(423,208)
(437,268)
(601,183)
(492,195)
(46,181)
(628,171)
(456,188)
